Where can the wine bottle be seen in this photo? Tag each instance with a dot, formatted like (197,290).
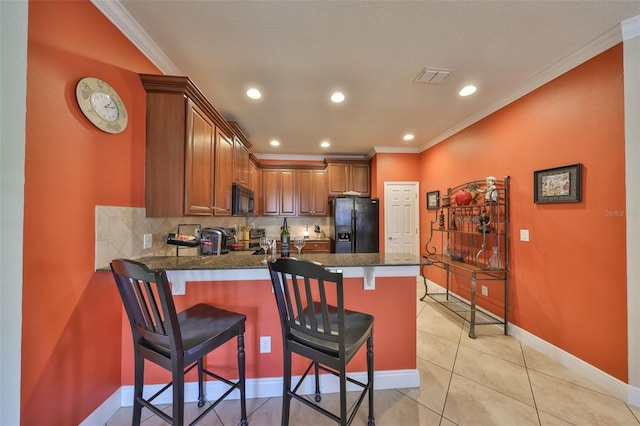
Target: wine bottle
(284,240)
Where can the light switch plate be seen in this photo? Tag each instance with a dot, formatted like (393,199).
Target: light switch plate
(524,235)
(265,344)
(148,238)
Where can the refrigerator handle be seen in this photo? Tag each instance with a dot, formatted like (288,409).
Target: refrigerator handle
(353,230)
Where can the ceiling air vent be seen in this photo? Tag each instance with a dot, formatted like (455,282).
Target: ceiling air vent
(432,75)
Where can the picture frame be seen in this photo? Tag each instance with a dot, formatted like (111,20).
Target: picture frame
(433,198)
(558,185)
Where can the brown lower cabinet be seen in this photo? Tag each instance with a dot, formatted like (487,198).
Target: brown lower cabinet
(310,247)
(313,246)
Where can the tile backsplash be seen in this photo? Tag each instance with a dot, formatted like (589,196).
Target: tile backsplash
(120,231)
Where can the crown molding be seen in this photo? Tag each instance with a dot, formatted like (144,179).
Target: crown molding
(289,157)
(590,50)
(630,28)
(395,150)
(118,15)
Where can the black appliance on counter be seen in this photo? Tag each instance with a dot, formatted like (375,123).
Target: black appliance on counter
(215,241)
(355,225)
(254,237)
(242,201)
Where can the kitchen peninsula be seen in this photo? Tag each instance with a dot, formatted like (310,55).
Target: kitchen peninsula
(383,285)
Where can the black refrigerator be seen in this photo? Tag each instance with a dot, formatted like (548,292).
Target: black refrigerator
(355,225)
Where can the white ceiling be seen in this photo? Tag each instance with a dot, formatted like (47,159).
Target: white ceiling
(298,52)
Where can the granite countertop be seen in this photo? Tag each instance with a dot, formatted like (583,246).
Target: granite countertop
(247,260)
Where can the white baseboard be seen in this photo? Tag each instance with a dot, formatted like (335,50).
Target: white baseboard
(105,411)
(255,388)
(614,386)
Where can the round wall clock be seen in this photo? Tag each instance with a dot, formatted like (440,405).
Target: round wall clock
(100,103)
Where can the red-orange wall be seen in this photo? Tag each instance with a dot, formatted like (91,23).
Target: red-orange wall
(387,167)
(71,339)
(568,284)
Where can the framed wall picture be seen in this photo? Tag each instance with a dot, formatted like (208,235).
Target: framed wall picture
(433,198)
(558,185)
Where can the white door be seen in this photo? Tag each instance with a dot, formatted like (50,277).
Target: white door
(401,218)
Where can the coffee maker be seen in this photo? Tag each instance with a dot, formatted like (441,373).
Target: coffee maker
(214,241)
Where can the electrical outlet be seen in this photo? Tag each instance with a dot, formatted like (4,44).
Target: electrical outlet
(265,344)
(524,235)
(148,238)
(485,290)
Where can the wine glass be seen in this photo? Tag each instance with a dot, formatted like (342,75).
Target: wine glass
(265,244)
(298,242)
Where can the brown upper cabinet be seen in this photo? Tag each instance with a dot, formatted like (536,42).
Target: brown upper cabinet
(199,167)
(223,174)
(241,148)
(278,192)
(313,193)
(349,175)
(255,184)
(187,142)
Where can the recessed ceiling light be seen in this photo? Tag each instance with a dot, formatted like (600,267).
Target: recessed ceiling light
(325,144)
(408,137)
(467,90)
(337,97)
(275,143)
(254,93)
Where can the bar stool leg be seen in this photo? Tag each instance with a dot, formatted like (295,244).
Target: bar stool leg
(242,380)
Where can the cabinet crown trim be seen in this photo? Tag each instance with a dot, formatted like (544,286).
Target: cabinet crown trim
(184,85)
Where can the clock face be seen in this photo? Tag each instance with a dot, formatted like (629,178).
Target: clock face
(104,106)
(100,103)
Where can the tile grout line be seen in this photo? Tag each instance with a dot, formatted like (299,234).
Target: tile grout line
(533,394)
(455,358)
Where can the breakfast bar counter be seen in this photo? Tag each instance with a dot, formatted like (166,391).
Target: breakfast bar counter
(243,265)
(247,260)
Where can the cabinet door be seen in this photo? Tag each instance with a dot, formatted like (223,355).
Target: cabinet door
(255,184)
(287,193)
(240,163)
(223,174)
(199,162)
(338,175)
(312,246)
(278,192)
(270,192)
(360,178)
(321,193)
(312,193)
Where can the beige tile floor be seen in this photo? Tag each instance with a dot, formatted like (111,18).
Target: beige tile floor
(492,380)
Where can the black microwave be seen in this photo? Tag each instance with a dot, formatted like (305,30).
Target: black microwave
(242,203)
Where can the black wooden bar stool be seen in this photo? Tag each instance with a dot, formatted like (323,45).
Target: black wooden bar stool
(177,342)
(327,335)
